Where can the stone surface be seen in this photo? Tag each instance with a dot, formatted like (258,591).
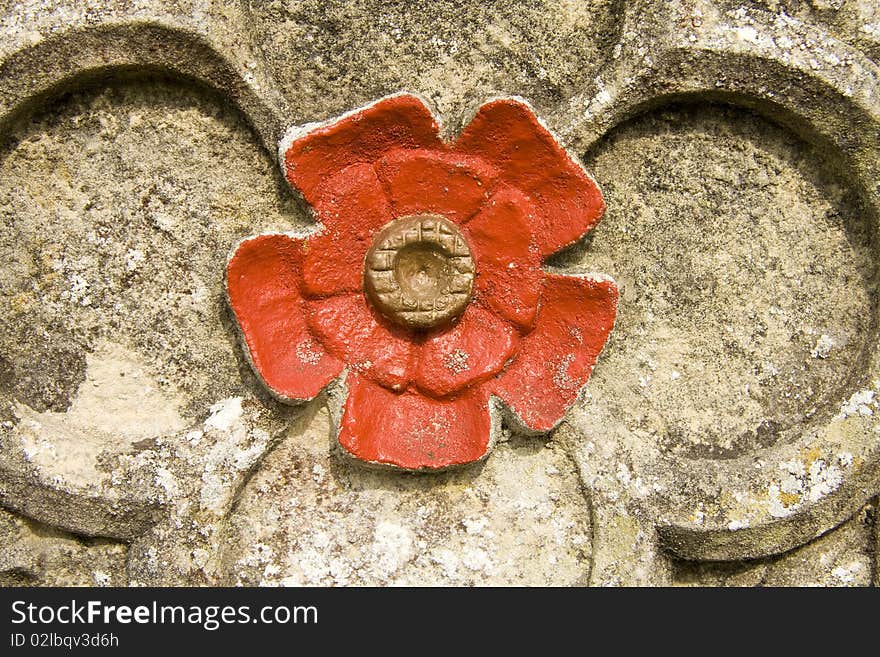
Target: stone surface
(842,557)
(518,519)
(728,435)
(32,554)
(747,280)
(457,54)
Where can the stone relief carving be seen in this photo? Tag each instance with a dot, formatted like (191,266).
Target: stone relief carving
(728,433)
(379,297)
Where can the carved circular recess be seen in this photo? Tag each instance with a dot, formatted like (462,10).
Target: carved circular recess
(794,450)
(419,272)
(747,279)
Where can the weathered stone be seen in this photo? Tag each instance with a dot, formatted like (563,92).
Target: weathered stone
(308,518)
(32,554)
(842,557)
(729,432)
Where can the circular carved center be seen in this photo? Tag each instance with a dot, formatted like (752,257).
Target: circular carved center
(419,271)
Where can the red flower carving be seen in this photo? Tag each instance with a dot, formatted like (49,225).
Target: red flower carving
(427,399)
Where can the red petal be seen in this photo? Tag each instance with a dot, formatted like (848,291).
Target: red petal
(452,185)
(508,270)
(364,135)
(262,281)
(352,206)
(412,431)
(555,360)
(568,202)
(349,329)
(473,350)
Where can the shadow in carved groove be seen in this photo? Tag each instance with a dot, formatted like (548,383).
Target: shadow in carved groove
(120,202)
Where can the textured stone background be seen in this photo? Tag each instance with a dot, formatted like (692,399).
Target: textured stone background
(744,253)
